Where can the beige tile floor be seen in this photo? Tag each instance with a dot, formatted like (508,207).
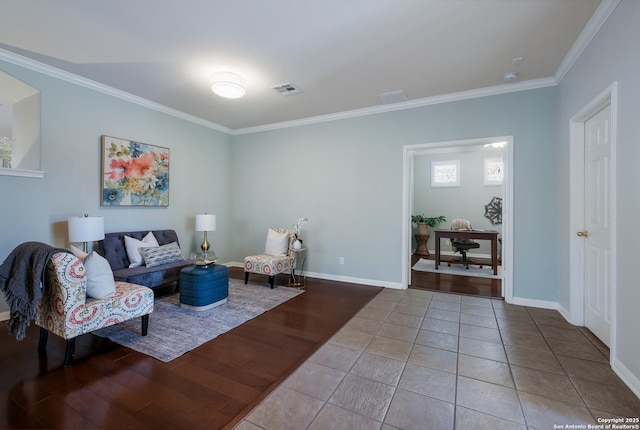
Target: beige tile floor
(415,359)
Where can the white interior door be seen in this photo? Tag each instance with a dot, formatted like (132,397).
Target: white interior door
(597,224)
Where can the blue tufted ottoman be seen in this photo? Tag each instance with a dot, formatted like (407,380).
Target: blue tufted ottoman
(203,287)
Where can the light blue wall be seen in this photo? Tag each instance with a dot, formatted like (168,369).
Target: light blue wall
(73,119)
(466,201)
(611,56)
(346,177)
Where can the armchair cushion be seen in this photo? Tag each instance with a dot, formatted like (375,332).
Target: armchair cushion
(267,264)
(277,242)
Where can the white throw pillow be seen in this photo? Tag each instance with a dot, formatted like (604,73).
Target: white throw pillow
(100,282)
(277,243)
(78,252)
(133,248)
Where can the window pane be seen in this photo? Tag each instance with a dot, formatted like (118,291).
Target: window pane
(493,171)
(445,173)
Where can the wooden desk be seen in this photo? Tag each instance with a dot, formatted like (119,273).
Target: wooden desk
(491,235)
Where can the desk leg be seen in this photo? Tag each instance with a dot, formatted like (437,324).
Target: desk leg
(437,251)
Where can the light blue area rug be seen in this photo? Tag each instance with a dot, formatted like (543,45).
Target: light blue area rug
(174,330)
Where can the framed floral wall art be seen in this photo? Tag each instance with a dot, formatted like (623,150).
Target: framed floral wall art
(134,173)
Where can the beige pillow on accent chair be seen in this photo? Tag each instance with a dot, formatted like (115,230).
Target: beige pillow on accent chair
(277,243)
(100,281)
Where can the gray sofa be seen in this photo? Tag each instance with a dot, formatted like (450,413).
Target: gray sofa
(113,249)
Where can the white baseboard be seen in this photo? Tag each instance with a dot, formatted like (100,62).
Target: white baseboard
(565,313)
(627,377)
(4,316)
(234,264)
(544,304)
(325,276)
(363,281)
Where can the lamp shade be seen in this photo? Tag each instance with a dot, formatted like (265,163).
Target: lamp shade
(86,228)
(205,222)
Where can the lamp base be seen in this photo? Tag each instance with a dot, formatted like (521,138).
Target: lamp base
(205,245)
(205,258)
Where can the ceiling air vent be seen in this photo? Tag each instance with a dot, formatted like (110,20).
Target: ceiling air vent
(287,89)
(393,97)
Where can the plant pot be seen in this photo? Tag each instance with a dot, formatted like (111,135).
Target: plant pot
(423,228)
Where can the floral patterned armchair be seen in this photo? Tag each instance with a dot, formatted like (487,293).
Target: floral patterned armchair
(66,311)
(277,257)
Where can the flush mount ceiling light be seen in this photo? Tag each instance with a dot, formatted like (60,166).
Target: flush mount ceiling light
(228,85)
(510,76)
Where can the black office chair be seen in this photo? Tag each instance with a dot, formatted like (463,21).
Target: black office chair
(463,245)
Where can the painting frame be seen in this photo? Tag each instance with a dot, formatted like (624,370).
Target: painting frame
(133,173)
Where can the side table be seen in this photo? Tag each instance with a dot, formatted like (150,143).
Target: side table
(204,287)
(297,281)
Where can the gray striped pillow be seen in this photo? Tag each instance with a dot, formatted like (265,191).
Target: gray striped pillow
(156,256)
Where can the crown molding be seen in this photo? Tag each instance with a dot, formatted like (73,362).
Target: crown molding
(428,101)
(588,33)
(45,69)
(593,26)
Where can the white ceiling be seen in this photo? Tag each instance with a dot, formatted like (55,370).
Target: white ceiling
(341,53)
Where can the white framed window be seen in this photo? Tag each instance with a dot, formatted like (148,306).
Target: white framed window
(445,173)
(493,171)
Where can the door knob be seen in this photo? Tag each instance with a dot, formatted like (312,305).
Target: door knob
(583,233)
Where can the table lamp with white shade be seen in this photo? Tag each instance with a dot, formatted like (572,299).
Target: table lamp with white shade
(205,223)
(86,229)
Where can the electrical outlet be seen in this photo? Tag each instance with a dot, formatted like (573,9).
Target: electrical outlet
(341,260)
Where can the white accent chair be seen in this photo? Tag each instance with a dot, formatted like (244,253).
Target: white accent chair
(277,257)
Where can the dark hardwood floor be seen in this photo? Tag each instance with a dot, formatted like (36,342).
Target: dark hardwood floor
(211,387)
(474,286)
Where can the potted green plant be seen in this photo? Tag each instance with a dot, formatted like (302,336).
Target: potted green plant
(422,221)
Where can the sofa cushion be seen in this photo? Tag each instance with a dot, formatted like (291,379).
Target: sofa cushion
(159,255)
(150,276)
(133,247)
(112,246)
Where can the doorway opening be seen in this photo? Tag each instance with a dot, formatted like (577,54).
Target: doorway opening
(454,150)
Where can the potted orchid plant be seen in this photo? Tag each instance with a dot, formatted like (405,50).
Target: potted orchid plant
(297,228)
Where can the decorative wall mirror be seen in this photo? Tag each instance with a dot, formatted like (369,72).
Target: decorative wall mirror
(19,128)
